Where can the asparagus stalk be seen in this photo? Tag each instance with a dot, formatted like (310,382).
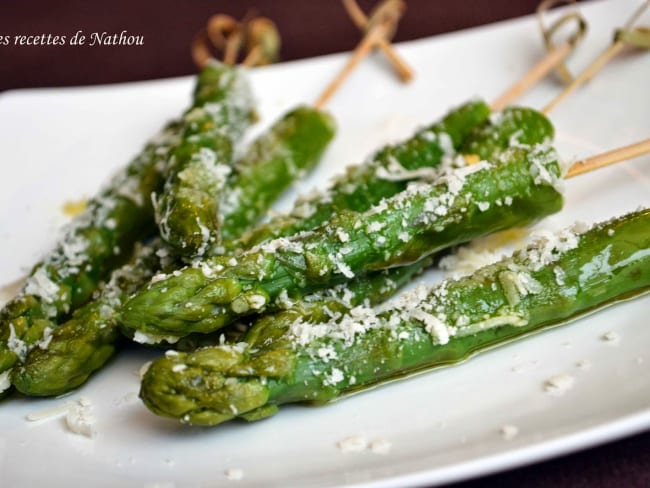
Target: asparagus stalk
(187,209)
(515,189)
(69,354)
(548,284)
(368,291)
(509,127)
(292,146)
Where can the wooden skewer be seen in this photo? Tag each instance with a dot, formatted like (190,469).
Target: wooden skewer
(533,76)
(404,71)
(199,49)
(228,36)
(596,65)
(367,44)
(253,57)
(609,157)
(360,19)
(225,33)
(263,42)
(586,75)
(233,44)
(554,58)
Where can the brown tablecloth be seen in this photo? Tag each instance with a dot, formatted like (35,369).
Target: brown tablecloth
(168,27)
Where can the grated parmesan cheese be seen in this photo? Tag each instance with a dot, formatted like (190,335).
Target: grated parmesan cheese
(46,339)
(234,474)
(333,377)
(16,344)
(340,265)
(49,413)
(5,382)
(327,353)
(342,235)
(145,338)
(177,368)
(40,285)
(79,418)
(380,446)
(355,443)
(559,384)
(433,325)
(509,432)
(373,227)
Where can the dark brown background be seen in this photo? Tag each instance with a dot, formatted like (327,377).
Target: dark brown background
(309,28)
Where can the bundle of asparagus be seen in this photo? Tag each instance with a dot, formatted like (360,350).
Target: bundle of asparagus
(186,172)
(317,271)
(317,353)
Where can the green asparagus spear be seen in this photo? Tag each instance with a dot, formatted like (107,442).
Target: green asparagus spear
(292,146)
(99,240)
(69,354)
(548,284)
(516,189)
(360,187)
(368,290)
(389,171)
(187,209)
(508,128)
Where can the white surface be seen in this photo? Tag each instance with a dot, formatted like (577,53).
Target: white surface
(59,145)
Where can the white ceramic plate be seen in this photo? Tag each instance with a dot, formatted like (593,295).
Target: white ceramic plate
(60,145)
